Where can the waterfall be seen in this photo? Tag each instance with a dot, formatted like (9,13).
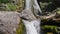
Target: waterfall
(28,4)
(33,6)
(36,6)
(32,27)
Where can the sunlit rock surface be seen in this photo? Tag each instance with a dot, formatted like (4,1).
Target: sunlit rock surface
(8,22)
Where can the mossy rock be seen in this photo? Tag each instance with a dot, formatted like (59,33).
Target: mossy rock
(21,29)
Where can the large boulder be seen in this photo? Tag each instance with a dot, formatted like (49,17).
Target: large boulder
(9,22)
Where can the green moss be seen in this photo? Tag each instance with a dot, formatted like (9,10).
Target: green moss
(49,26)
(21,29)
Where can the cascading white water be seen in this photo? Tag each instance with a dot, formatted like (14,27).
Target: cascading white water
(32,3)
(28,4)
(32,27)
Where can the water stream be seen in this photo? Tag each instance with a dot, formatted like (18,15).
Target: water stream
(32,27)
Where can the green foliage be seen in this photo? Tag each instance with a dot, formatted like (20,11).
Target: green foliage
(50,28)
(5,1)
(49,32)
(11,7)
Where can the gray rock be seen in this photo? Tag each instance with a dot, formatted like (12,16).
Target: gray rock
(9,22)
(27,14)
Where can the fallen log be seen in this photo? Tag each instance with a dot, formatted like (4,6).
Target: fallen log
(53,16)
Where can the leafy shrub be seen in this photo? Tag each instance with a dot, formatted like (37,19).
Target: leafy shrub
(11,7)
(5,1)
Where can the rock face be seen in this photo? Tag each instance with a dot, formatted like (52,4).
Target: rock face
(8,22)
(27,14)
